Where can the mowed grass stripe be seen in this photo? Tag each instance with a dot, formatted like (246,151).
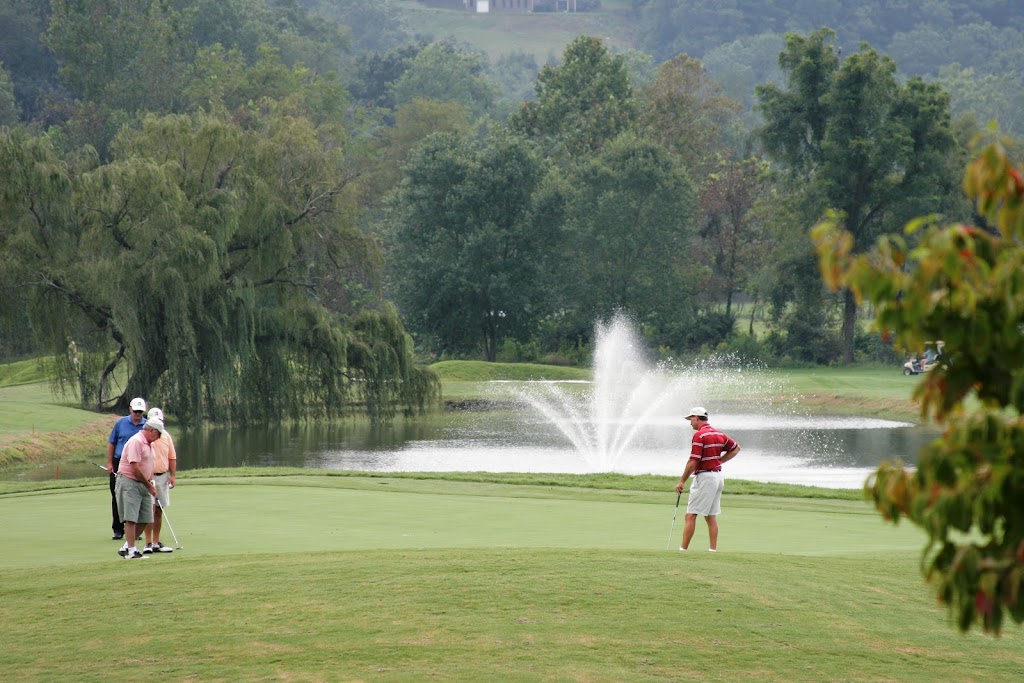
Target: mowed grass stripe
(329,578)
(294,517)
(490,614)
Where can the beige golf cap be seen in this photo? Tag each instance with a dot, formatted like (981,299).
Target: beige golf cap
(698,411)
(138,404)
(155,423)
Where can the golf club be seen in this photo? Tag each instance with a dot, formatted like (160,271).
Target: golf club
(101,467)
(673,528)
(177,546)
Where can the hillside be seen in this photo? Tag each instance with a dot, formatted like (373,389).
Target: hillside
(975,52)
(543,34)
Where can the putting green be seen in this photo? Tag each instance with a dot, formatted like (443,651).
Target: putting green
(298,515)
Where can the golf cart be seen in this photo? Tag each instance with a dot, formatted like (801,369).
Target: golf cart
(918,364)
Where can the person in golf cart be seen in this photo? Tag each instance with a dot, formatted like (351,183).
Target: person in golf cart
(918,364)
(914,365)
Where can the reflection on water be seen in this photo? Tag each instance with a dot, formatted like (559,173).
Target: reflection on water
(838,452)
(828,451)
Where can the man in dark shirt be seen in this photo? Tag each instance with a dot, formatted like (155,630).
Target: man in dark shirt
(124,429)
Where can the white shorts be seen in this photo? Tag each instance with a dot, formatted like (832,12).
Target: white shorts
(706,494)
(163,489)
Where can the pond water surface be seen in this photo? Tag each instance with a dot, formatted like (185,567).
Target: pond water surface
(837,452)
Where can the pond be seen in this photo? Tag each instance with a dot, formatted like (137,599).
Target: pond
(629,420)
(837,452)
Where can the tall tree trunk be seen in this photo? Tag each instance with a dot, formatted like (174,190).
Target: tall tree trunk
(849,325)
(490,335)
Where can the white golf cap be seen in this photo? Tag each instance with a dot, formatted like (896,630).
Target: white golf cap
(698,411)
(138,404)
(156,413)
(155,423)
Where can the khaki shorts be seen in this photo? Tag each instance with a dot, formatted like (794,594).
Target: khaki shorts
(706,494)
(134,504)
(163,489)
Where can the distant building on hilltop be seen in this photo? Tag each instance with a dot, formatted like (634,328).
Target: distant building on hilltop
(483,6)
(487,6)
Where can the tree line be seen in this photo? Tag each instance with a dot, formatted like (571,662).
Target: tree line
(242,198)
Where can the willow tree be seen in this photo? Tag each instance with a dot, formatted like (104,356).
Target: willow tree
(196,266)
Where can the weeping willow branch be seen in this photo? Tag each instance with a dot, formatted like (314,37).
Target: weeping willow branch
(216,307)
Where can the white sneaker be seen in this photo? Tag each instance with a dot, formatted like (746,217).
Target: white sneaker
(682,549)
(123,550)
(134,554)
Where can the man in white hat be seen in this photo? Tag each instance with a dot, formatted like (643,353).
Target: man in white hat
(165,465)
(134,489)
(124,429)
(709,449)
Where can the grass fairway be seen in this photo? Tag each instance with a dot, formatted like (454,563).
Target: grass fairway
(313,576)
(36,426)
(867,391)
(310,577)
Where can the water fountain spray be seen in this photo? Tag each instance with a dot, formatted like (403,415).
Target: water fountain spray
(627,395)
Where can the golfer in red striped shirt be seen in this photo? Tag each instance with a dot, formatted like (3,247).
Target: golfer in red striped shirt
(710,449)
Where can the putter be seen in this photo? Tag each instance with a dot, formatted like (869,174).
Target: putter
(102,468)
(673,528)
(177,546)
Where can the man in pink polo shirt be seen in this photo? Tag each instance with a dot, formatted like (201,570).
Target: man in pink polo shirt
(709,449)
(164,470)
(134,490)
